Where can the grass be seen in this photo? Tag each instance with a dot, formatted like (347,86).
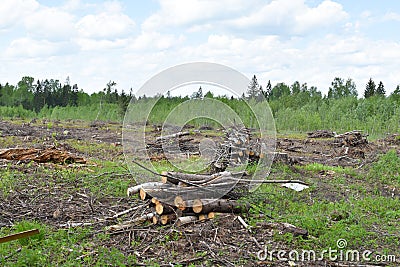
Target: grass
(59,247)
(318,167)
(386,170)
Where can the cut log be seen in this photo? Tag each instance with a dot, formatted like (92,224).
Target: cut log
(213,215)
(160,190)
(155,201)
(209,216)
(182,204)
(220,205)
(143,195)
(168,218)
(203,217)
(162,208)
(135,189)
(185,220)
(156,219)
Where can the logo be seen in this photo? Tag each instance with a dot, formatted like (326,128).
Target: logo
(238,112)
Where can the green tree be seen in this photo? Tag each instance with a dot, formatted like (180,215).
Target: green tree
(381,89)
(295,88)
(279,90)
(24,93)
(110,92)
(267,91)
(209,94)
(396,93)
(370,88)
(341,88)
(39,99)
(253,90)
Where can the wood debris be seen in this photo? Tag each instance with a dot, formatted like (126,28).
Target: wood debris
(351,139)
(53,155)
(321,134)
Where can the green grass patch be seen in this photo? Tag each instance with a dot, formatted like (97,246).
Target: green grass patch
(317,167)
(59,247)
(386,169)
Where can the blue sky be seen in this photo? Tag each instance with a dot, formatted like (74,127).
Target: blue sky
(94,42)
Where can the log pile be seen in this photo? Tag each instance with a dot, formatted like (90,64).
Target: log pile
(351,139)
(182,198)
(239,147)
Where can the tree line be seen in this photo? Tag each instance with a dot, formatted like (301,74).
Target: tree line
(296,107)
(49,93)
(339,88)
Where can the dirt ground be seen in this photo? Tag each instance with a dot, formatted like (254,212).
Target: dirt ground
(222,242)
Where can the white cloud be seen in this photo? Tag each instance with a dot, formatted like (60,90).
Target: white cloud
(87,44)
(326,14)
(392,16)
(14,11)
(155,41)
(31,48)
(189,12)
(50,23)
(291,16)
(109,24)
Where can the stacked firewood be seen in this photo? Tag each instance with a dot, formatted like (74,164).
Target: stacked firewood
(181,197)
(239,147)
(351,139)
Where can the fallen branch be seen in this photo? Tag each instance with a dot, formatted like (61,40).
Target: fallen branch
(19,235)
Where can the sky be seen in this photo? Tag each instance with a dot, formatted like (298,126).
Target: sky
(94,42)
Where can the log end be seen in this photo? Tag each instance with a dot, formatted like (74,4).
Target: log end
(180,203)
(142,194)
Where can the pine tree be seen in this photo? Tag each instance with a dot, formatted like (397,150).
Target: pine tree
(370,88)
(396,93)
(198,94)
(381,89)
(253,90)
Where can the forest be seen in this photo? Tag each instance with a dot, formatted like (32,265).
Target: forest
(296,108)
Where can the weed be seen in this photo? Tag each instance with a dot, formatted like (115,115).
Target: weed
(386,169)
